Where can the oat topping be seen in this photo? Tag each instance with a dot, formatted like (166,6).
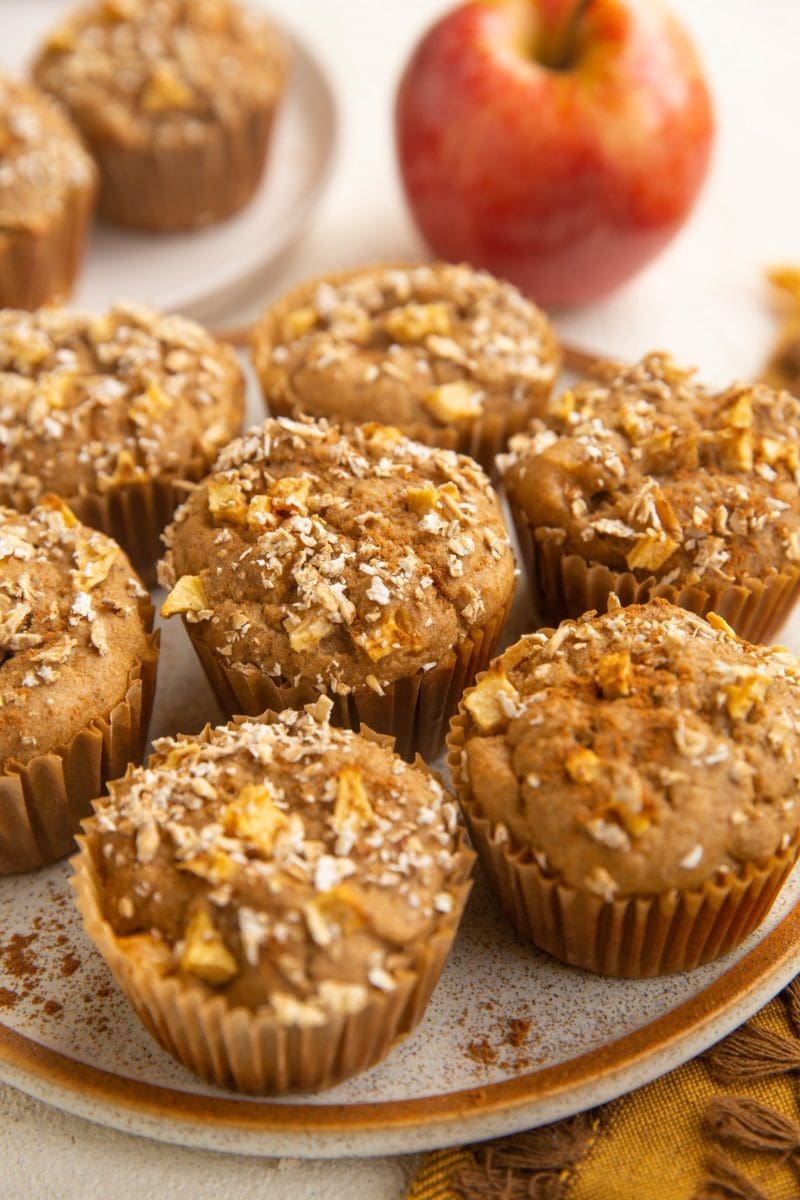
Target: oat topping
(428,348)
(229,850)
(346,560)
(72,625)
(42,160)
(89,403)
(652,472)
(645,749)
(132,71)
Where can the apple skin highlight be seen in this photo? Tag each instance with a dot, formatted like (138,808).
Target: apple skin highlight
(565,179)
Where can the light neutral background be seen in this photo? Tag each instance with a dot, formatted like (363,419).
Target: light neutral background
(704,300)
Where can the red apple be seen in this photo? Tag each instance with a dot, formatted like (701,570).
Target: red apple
(559,143)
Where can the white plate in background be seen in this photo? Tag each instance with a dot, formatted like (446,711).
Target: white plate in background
(199,272)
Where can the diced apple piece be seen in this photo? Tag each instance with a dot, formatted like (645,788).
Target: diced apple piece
(205,954)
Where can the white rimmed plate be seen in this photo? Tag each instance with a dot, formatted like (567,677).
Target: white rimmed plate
(512,1038)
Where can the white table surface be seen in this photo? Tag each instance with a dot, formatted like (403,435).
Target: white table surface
(704,299)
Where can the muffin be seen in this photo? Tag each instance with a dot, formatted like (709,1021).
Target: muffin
(630,784)
(782,369)
(451,356)
(115,413)
(76,677)
(176,100)
(648,484)
(276,898)
(359,565)
(48,185)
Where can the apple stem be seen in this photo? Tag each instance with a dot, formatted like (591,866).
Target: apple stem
(557,42)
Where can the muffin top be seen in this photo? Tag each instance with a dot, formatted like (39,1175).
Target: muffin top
(284,863)
(42,159)
(88,403)
(639,751)
(653,473)
(427,347)
(131,71)
(73,623)
(341,559)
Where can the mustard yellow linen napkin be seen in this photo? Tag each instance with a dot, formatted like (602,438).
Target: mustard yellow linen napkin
(725,1126)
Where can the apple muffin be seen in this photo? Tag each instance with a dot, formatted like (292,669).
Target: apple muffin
(646,483)
(451,356)
(630,784)
(276,898)
(176,100)
(359,565)
(116,413)
(782,369)
(48,185)
(77,672)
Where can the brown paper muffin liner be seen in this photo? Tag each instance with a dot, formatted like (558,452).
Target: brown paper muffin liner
(633,937)
(188,184)
(566,585)
(488,436)
(43,801)
(39,266)
(249,1050)
(414,711)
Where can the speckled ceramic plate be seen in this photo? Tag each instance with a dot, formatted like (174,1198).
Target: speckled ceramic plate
(511,1039)
(162,269)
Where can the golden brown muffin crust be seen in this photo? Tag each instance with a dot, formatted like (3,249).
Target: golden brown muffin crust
(344,559)
(135,71)
(424,348)
(73,625)
(89,403)
(653,473)
(284,863)
(638,751)
(43,162)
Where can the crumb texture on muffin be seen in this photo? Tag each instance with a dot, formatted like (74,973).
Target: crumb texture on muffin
(284,864)
(48,185)
(651,473)
(131,71)
(429,349)
(73,625)
(42,159)
(345,560)
(637,752)
(90,404)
